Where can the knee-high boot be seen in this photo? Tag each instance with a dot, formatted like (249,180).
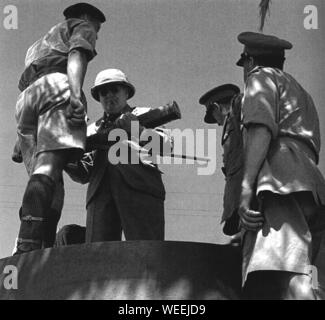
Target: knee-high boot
(36,205)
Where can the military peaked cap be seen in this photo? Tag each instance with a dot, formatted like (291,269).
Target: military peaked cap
(258,44)
(79,8)
(221,93)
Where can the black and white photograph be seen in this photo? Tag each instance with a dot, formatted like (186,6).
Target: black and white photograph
(167,151)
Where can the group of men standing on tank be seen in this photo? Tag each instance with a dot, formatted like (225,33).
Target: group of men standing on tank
(274,194)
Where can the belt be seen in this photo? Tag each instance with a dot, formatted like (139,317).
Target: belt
(30,75)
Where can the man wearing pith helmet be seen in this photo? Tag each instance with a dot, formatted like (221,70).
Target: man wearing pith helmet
(128,196)
(50,114)
(223,107)
(281,233)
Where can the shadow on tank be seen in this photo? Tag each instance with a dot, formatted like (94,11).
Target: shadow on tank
(127,270)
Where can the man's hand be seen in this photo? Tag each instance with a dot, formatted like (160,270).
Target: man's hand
(250,220)
(124,122)
(76,113)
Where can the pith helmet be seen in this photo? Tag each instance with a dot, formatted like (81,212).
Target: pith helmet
(111,76)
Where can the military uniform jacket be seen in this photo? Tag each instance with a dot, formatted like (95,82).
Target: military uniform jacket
(274,99)
(50,53)
(233,161)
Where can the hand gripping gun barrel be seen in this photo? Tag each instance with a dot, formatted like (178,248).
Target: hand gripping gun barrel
(148,118)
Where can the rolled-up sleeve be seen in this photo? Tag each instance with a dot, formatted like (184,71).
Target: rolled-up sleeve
(83,37)
(260,102)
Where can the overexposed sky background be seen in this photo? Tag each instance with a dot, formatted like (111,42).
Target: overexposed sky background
(170,50)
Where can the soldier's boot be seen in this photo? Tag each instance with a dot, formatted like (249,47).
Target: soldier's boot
(36,204)
(50,227)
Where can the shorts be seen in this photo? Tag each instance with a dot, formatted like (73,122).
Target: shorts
(41,122)
(289,240)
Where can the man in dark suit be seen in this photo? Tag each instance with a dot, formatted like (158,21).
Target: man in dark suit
(126,196)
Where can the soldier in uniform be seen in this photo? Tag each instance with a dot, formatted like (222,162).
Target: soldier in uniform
(50,114)
(126,197)
(223,107)
(281,152)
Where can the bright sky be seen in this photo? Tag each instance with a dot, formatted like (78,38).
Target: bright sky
(170,50)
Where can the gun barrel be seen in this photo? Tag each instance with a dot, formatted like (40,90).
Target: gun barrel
(185,156)
(160,116)
(150,120)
